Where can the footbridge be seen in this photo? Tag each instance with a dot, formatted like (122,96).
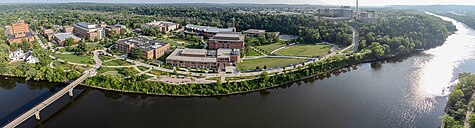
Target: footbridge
(35,111)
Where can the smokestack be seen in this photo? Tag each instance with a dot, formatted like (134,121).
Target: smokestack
(357,13)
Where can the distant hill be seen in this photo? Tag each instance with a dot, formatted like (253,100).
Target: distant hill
(436,7)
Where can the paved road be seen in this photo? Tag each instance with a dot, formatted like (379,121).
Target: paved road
(354,44)
(38,39)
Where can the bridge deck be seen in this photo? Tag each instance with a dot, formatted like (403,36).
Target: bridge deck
(47,102)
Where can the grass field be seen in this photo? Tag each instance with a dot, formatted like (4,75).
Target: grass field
(61,64)
(252,52)
(75,58)
(142,68)
(117,62)
(270,47)
(104,57)
(268,62)
(305,50)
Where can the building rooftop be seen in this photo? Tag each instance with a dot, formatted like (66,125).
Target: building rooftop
(255,31)
(209,28)
(64,36)
(86,25)
(142,43)
(226,52)
(176,55)
(212,55)
(202,52)
(16,36)
(231,36)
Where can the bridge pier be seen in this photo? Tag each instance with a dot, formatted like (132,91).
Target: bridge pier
(37,115)
(70,92)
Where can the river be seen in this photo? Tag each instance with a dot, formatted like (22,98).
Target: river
(403,92)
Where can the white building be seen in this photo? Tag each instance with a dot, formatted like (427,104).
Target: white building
(32,60)
(17,55)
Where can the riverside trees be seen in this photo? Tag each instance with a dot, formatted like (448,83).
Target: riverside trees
(400,32)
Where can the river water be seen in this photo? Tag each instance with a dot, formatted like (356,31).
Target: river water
(404,92)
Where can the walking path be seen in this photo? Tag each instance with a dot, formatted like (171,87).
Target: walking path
(38,39)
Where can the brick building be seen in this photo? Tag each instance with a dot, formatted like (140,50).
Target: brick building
(19,32)
(232,40)
(152,49)
(205,59)
(165,27)
(88,31)
(206,31)
(61,37)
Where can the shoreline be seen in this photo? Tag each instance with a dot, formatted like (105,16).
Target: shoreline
(260,89)
(243,92)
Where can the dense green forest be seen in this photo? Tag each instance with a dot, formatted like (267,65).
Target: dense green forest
(133,16)
(459,101)
(399,32)
(466,17)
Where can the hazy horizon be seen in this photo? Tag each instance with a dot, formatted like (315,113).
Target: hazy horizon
(313,2)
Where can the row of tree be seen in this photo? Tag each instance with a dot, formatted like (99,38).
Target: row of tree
(400,32)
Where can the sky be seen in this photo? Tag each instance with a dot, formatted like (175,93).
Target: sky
(331,2)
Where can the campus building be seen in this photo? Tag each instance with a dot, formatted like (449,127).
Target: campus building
(19,32)
(68,29)
(231,40)
(152,49)
(61,37)
(206,31)
(88,31)
(258,32)
(48,33)
(205,59)
(342,13)
(114,29)
(165,27)
(369,16)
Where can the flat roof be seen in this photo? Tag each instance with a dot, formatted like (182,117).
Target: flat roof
(255,31)
(86,25)
(195,51)
(176,55)
(64,36)
(12,36)
(142,43)
(209,28)
(228,36)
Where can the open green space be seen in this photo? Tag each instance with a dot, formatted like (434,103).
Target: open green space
(305,50)
(142,68)
(252,52)
(117,71)
(75,58)
(270,47)
(183,43)
(267,62)
(65,66)
(117,62)
(104,57)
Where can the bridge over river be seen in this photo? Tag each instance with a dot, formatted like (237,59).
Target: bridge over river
(35,111)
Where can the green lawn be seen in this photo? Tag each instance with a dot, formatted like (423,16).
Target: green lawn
(268,62)
(270,47)
(117,62)
(305,50)
(142,68)
(75,58)
(61,64)
(252,52)
(104,57)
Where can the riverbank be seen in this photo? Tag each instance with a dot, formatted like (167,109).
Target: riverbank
(326,73)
